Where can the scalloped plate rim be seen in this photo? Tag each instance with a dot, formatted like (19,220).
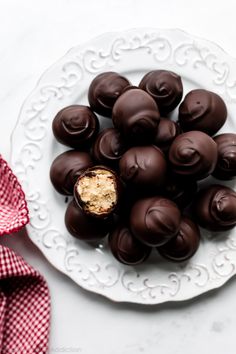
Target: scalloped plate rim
(38,82)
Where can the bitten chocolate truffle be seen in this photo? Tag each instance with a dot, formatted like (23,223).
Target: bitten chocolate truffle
(181,191)
(84,227)
(215,208)
(193,154)
(97,191)
(144,166)
(136,115)
(183,246)
(109,147)
(66,168)
(75,126)
(226,163)
(202,110)
(165,87)
(154,221)
(104,91)
(166,133)
(126,248)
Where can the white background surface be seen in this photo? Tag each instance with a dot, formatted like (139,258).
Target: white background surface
(33,35)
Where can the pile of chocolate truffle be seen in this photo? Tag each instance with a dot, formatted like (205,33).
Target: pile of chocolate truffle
(137,182)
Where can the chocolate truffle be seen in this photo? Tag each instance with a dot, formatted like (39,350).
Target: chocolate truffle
(165,87)
(226,163)
(75,126)
(202,110)
(84,227)
(143,166)
(193,154)
(154,221)
(215,208)
(126,248)
(136,115)
(66,168)
(181,191)
(97,191)
(166,132)
(109,147)
(104,91)
(183,246)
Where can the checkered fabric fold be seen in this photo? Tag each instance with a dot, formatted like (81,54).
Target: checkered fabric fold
(24,306)
(13,206)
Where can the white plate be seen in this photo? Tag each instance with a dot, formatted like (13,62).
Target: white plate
(133,53)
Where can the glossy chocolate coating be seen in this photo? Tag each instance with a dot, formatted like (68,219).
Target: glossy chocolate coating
(104,91)
(165,87)
(181,191)
(109,147)
(136,115)
(166,132)
(143,166)
(154,221)
(226,163)
(215,208)
(183,246)
(95,198)
(202,110)
(75,126)
(83,226)
(193,154)
(66,168)
(126,248)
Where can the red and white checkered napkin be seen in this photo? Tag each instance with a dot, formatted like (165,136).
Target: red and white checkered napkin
(24,306)
(13,206)
(24,295)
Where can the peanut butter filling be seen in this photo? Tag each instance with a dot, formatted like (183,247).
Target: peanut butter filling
(97,191)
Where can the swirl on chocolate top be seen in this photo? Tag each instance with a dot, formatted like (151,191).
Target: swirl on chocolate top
(183,246)
(126,248)
(154,221)
(166,132)
(193,154)
(165,87)
(202,110)
(226,163)
(104,91)
(143,166)
(215,208)
(109,147)
(66,168)
(75,126)
(136,115)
